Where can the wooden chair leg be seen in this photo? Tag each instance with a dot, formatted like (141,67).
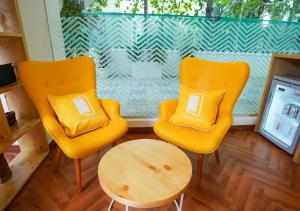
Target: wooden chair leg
(58,158)
(217,156)
(78,173)
(200,164)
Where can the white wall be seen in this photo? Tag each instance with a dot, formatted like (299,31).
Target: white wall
(55,29)
(36,30)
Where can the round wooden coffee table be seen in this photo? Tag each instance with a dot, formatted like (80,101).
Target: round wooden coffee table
(145,174)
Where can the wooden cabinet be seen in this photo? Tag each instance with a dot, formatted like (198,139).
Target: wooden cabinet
(281,65)
(28,131)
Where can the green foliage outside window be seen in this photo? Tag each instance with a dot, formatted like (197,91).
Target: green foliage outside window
(254,9)
(98,5)
(70,8)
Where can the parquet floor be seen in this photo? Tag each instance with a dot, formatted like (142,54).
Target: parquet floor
(253,175)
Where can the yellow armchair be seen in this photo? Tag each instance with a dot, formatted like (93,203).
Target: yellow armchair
(65,77)
(201,74)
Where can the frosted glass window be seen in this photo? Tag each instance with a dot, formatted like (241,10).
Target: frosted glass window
(138,57)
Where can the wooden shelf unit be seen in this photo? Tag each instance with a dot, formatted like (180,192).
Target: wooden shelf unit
(22,168)
(10,87)
(22,127)
(28,131)
(281,65)
(10,34)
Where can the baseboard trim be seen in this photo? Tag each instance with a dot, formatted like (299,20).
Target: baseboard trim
(149,130)
(149,122)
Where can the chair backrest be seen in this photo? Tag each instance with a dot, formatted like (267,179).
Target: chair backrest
(201,74)
(57,78)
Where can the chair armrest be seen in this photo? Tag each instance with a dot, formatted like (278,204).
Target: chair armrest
(111,107)
(167,108)
(54,129)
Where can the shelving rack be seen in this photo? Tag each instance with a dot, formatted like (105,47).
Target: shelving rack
(28,131)
(10,34)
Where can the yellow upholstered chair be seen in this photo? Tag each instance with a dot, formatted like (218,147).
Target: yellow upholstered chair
(61,78)
(201,74)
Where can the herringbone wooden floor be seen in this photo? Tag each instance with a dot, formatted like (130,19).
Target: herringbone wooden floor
(253,175)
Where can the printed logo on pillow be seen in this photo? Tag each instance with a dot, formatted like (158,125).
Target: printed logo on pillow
(194,104)
(83,105)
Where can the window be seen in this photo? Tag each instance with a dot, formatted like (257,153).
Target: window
(138,56)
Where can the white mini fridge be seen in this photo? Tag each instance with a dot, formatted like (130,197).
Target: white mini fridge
(280,121)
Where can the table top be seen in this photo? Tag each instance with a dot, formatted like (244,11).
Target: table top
(144,173)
